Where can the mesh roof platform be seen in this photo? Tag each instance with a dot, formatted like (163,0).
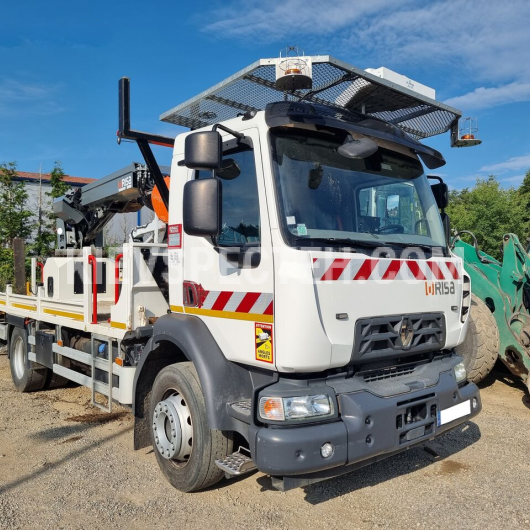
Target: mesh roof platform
(334,83)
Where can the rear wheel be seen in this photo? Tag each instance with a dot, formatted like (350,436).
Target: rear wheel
(480,348)
(55,381)
(185,447)
(25,379)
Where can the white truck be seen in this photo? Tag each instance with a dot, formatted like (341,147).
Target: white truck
(294,307)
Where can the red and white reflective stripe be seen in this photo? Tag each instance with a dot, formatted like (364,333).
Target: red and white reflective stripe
(237,302)
(341,269)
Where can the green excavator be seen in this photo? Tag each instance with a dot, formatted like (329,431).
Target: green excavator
(499,325)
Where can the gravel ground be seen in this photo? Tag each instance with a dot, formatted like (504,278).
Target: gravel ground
(63,464)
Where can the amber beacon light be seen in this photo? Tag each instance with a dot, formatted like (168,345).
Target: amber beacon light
(293,71)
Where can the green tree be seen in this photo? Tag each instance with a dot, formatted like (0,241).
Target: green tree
(524,194)
(7,271)
(489,211)
(15,218)
(59,186)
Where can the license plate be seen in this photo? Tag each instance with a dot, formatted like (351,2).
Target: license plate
(453,413)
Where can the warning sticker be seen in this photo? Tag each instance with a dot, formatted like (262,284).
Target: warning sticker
(264,350)
(174,236)
(174,257)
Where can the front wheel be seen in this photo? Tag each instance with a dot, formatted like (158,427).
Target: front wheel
(185,447)
(26,379)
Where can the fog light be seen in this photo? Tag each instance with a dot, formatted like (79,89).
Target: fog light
(326,450)
(474,403)
(460,372)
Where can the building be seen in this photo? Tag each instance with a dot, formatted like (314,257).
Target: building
(38,184)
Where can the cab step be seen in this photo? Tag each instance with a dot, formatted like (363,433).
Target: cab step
(237,463)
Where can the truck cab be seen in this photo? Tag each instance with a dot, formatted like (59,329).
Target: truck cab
(329,269)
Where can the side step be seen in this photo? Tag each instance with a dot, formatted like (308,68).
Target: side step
(237,463)
(241,410)
(105,389)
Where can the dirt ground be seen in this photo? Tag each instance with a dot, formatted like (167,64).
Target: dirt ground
(65,465)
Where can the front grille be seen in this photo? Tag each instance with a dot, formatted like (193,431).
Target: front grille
(387,373)
(397,336)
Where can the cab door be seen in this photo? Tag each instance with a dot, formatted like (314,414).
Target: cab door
(228,280)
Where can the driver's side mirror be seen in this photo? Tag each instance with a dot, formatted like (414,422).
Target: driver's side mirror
(441,194)
(202,210)
(203,150)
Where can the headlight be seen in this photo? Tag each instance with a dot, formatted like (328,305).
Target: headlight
(295,408)
(460,372)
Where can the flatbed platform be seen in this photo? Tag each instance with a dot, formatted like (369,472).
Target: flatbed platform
(116,315)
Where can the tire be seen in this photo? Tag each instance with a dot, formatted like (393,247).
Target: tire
(193,468)
(480,348)
(55,381)
(25,379)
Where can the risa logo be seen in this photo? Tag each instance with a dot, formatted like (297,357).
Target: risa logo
(439,288)
(125,183)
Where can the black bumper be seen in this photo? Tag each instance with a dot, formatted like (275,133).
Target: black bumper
(369,429)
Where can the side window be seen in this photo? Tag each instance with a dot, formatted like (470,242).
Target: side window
(241,221)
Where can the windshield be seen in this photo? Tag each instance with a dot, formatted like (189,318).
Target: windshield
(325,197)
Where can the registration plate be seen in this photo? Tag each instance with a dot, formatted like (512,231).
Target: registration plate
(453,413)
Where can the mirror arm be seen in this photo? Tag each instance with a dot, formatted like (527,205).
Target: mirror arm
(440,180)
(230,131)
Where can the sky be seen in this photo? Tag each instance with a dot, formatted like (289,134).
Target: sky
(60,63)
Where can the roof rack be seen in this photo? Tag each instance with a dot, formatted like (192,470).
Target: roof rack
(335,83)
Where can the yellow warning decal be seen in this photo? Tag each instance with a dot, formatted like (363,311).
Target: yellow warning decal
(264,349)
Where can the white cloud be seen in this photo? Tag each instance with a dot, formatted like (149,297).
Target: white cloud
(491,97)
(17,97)
(279,21)
(483,41)
(515,163)
(484,36)
(516,179)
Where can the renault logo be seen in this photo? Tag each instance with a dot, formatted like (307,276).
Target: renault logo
(407,332)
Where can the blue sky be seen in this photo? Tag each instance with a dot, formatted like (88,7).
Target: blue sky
(61,61)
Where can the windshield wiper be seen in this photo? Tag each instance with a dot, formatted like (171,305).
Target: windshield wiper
(341,241)
(367,244)
(428,248)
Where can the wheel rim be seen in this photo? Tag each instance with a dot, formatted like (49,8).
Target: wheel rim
(173,428)
(19,358)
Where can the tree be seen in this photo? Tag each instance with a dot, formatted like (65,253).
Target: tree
(7,272)
(59,186)
(126,226)
(489,211)
(15,218)
(524,194)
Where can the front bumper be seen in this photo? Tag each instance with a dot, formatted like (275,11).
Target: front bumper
(368,429)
